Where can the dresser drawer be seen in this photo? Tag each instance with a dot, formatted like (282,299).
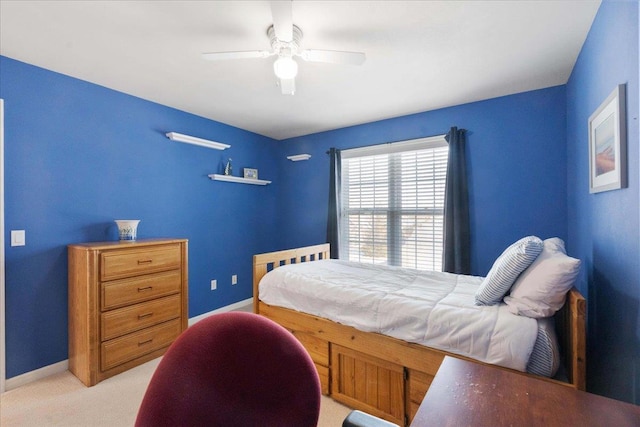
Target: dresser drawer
(129,347)
(124,263)
(133,318)
(123,292)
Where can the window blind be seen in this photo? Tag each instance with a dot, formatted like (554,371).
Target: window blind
(393,203)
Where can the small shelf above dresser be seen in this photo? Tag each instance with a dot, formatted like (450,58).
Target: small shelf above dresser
(239,180)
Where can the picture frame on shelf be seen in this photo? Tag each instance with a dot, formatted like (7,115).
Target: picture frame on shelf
(607,143)
(250,173)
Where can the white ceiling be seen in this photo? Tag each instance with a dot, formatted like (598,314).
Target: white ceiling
(421,55)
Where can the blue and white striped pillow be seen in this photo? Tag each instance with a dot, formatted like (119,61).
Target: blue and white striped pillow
(545,357)
(506,269)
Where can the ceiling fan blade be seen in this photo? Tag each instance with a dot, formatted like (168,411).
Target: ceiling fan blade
(220,56)
(333,56)
(288,86)
(282,19)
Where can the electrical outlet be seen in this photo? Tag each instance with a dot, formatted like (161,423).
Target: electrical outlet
(234,279)
(214,285)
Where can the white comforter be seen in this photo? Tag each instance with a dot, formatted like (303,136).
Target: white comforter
(430,308)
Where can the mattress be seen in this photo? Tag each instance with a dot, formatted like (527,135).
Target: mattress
(434,309)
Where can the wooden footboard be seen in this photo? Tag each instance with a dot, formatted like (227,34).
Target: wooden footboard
(382,375)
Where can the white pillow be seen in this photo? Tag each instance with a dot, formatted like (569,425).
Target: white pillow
(506,269)
(541,289)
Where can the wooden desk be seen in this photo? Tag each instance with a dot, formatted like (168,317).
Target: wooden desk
(470,394)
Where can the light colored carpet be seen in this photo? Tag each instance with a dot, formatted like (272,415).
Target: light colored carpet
(62,400)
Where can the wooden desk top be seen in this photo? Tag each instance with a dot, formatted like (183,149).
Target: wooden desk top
(470,394)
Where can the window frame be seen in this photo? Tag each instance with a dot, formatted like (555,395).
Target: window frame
(394,213)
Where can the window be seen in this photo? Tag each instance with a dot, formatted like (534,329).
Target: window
(393,203)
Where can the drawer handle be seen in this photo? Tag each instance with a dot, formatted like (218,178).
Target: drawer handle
(142,316)
(144,261)
(145,342)
(147,288)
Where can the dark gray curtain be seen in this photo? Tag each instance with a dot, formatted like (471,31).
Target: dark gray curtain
(457,234)
(333,222)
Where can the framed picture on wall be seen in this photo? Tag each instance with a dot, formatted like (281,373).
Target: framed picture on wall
(250,173)
(607,144)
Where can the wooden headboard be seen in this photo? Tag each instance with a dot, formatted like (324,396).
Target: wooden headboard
(571,323)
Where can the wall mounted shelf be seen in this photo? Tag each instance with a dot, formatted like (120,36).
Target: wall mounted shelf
(299,157)
(237,179)
(175,136)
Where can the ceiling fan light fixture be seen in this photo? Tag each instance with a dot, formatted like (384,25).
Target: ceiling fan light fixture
(285,39)
(285,68)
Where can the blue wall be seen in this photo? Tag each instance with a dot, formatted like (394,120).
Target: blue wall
(516,155)
(604,227)
(79,156)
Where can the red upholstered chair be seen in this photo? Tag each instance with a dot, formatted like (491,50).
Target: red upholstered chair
(233,369)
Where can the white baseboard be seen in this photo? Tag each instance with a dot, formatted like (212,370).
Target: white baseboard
(26,378)
(38,374)
(224,309)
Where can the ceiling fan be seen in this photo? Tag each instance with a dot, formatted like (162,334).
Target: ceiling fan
(285,40)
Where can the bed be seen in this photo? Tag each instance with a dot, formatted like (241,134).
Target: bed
(383,374)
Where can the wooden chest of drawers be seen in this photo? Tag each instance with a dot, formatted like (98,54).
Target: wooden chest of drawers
(127,304)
